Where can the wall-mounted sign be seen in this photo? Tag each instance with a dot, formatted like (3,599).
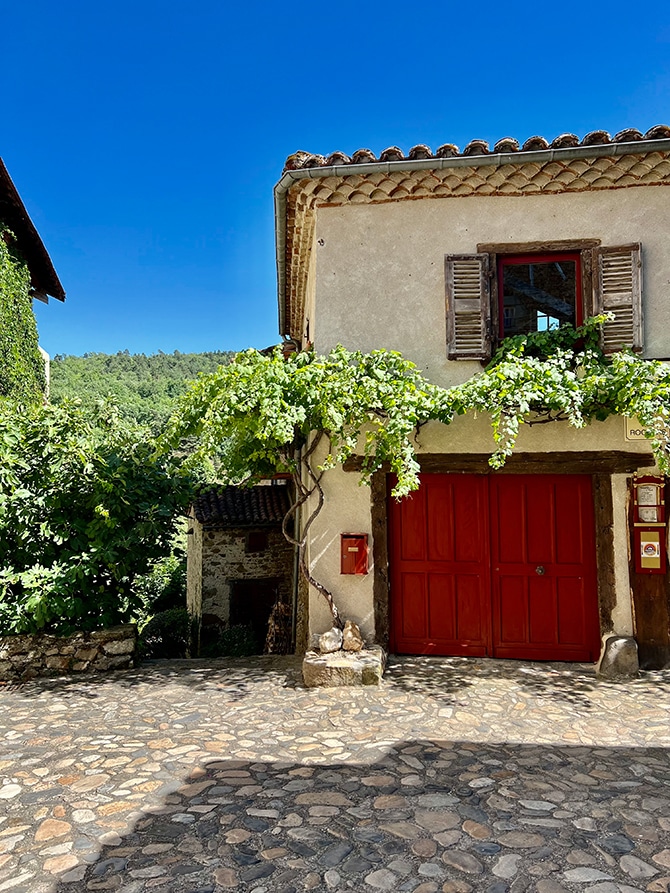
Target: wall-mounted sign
(634,430)
(649,530)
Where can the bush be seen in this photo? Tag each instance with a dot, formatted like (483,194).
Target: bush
(234,641)
(166,635)
(87,505)
(164,587)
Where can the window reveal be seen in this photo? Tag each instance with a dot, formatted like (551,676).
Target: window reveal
(538,292)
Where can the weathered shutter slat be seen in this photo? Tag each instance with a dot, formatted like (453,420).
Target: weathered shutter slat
(620,292)
(468,306)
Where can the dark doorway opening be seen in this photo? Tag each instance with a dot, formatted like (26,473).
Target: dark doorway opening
(251,602)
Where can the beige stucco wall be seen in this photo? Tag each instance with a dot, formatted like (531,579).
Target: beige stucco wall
(380,268)
(622,615)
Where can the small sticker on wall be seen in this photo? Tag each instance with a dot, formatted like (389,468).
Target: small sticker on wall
(634,430)
(651,549)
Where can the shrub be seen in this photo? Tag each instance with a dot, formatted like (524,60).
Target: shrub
(87,505)
(166,635)
(164,587)
(234,641)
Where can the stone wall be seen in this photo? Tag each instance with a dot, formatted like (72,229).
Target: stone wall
(24,657)
(225,559)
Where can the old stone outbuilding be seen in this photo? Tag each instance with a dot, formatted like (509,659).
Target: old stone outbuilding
(240,565)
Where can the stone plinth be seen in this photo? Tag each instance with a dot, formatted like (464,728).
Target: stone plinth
(344,668)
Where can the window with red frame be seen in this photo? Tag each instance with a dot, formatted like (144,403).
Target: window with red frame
(539,292)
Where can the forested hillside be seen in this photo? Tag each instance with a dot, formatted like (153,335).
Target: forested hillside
(143,387)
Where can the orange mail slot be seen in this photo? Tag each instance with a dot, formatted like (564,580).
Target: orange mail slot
(354,553)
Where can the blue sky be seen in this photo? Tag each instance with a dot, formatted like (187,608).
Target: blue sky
(145,137)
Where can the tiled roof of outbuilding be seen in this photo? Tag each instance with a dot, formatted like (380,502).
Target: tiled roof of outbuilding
(242,506)
(301,160)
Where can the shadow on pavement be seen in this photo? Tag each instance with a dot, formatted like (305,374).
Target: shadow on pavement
(490,818)
(236,677)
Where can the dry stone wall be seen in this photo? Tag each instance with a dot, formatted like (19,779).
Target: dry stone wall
(25,657)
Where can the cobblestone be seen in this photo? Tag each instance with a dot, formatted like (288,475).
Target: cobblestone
(460,776)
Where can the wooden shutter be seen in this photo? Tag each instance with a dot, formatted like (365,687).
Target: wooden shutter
(468,306)
(620,291)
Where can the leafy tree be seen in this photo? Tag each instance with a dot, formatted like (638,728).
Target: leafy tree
(86,505)
(145,388)
(22,374)
(263,414)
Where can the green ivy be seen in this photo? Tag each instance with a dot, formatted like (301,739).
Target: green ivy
(21,364)
(254,413)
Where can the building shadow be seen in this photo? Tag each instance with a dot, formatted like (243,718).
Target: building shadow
(493,817)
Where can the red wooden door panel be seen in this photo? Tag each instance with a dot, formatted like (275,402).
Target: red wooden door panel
(502,565)
(544,585)
(439,558)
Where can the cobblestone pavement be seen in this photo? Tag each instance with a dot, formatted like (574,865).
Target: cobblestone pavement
(455,775)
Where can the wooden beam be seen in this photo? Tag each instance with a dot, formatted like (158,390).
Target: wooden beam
(537,247)
(563,462)
(380,582)
(603,510)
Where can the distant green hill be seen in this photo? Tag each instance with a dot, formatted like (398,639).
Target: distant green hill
(144,387)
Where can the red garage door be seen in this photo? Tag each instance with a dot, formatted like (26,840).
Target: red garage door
(498,565)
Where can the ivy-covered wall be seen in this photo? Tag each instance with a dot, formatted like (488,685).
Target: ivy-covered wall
(22,375)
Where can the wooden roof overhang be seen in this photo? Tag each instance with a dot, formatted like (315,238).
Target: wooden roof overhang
(13,214)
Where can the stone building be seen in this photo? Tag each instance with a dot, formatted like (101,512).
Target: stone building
(240,565)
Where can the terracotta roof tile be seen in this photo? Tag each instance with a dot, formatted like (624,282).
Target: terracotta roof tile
(393,153)
(506,144)
(363,156)
(535,144)
(475,147)
(419,151)
(565,141)
(447,150)
(242,506)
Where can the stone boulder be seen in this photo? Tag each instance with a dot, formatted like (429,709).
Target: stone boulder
(352,640)
(620,659)
(344,668)
(330,641)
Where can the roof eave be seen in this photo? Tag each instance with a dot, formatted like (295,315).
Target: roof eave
(13,213)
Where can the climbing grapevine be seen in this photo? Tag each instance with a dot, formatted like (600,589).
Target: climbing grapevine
(263,414)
